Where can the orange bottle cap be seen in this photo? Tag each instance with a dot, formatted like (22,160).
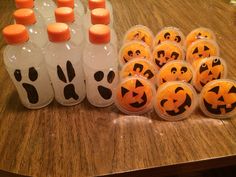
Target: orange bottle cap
(93,4)
(15,34)
(65,3)
(24,4)
(100,16)
(58,32)
(64,15)
(99,34)
(24,16)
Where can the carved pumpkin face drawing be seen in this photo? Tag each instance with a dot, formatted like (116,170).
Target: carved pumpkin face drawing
(202,48)
(218,98)
(169,34)
(175,100)
(199,33)
(166,52)
(176,71)
(140,33)
(134,49)
(209,69)
(134,95)
(139,67)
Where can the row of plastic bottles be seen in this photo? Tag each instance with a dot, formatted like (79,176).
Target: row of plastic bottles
(69,12)
(65,68)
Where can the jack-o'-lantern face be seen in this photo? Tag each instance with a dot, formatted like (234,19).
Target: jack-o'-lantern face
(134,95)
(176,71)
(134,49)
(218,98)
(166,52)
(139,67)
(209,69)
(202,48)
(169,34)
(175,100)
(199,33)
(140,33)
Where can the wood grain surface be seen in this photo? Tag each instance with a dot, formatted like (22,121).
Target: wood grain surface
(87,141)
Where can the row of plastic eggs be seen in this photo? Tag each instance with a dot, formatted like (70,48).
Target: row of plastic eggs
(176,100)
(169,44)
(167,62)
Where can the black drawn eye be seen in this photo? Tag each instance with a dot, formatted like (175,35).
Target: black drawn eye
(203,67)
(173,70)
(177,38)
(98,76)
(167,35)
(130,53)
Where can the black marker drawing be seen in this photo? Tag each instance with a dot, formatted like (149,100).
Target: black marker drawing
(105,92)
(69,89)
(31,91)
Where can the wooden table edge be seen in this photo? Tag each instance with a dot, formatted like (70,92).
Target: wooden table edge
(179,168)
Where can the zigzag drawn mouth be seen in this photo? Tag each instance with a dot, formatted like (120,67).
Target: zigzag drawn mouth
(139,105)
(217,110)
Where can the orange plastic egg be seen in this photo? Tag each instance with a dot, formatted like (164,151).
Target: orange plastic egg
(202,48)
(209,69)
(167,51)
(175,100)
(140,33)
(139,67)
(170,34)
(134,49)
(218,99)
(176,71)
(199,33)
(134,95)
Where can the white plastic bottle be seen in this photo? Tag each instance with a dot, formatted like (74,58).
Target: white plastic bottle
(76,5)
(64,63)
(93,4)
(25,64)
(100,66)
(27,18)
(66,15)
(102,16)
(46,8)
(29,4)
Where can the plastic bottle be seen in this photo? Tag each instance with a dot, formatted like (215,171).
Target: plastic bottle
(100,66)
(66,15)
(30,5)
(102,16)
(24,62)
(94,4)
(64,66)
(27,18)
(46,8)
(76,5)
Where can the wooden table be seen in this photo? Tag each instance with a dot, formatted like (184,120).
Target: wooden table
(87,141)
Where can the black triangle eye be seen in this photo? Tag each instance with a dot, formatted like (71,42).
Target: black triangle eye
(215,89)
(124,91)
(195,50)
(206,48)
(232,90)
(138,84)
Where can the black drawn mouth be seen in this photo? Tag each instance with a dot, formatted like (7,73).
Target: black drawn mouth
(139,105)
(182,108)
(219,108)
